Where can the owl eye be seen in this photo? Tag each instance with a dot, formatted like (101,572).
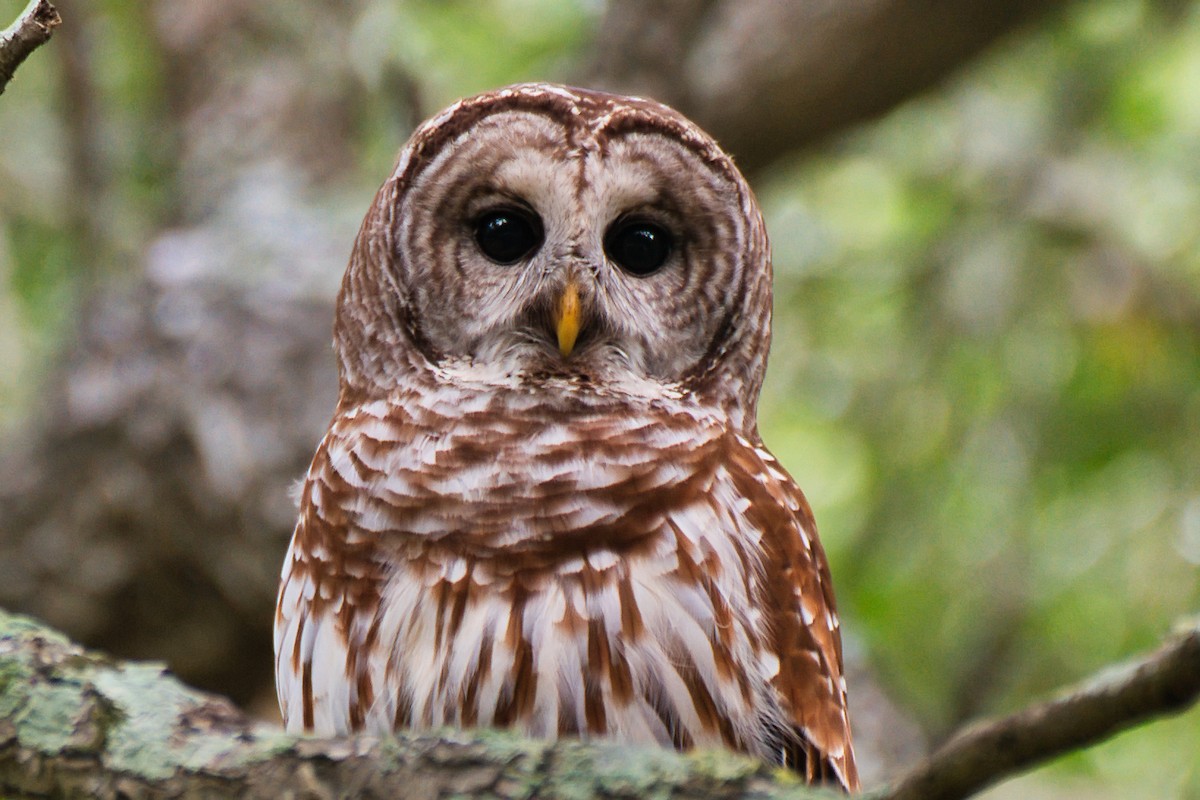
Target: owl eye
(637,246)
(506,235)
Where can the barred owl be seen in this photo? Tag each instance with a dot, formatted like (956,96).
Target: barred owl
(543,502)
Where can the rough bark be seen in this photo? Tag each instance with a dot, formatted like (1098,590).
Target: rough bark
(31,30)
(767,78)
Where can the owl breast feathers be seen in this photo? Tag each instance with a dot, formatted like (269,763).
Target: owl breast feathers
(542,502)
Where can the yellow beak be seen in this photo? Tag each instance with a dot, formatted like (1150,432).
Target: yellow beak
(567,319)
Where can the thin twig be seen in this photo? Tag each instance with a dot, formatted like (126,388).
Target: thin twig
(31,30)
(1164,682)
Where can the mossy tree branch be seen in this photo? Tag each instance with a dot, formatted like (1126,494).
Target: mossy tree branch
(77,724)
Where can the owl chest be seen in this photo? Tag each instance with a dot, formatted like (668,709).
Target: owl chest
(643,648)
(589,577)
(504,484)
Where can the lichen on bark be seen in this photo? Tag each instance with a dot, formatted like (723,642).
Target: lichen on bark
(75,723)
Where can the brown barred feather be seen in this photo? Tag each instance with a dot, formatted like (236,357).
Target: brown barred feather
(595,544)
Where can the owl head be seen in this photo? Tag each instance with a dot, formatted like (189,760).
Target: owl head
(543,233)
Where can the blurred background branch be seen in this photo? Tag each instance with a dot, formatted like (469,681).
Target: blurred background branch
(767,78)
(987,337)
(1162,683)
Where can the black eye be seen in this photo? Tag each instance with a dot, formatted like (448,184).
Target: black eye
(507,235)
(638,247)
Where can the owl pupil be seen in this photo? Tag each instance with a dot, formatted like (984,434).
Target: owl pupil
(507,235)
(640,248)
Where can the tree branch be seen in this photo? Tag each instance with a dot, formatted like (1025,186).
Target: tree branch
(766,78)
(31,30)
(77,724)
(1164,682)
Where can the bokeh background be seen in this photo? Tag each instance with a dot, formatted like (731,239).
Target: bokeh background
(986,370)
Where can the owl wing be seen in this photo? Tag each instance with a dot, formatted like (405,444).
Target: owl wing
(802,620)
(325,631)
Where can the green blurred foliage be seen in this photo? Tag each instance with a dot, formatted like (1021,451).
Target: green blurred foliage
(986,374)
(459,48)
(462,47)
(986,370)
